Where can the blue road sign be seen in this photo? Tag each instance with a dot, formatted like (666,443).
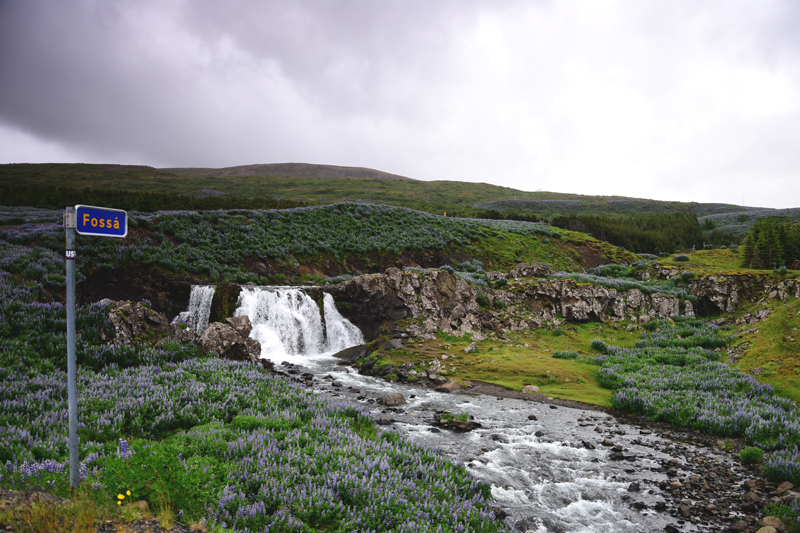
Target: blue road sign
(101,221)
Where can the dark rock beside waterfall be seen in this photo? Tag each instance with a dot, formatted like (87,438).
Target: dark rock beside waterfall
(499,513)
(352,354)
(241,324)
(136,323)
(226,340)
(224,303)
(168,293)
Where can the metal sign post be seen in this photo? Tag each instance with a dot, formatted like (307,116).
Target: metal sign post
(83,220)
(72,387)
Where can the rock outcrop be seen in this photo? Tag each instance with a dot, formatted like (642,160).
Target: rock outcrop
(439,301)
(229,339)
(168,293)
(226,295)
(720,294)
(136,323)
(445,302)
(578,302)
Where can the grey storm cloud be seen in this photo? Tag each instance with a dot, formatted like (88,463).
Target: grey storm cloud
(684,100)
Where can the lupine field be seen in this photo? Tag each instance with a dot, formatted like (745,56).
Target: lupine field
(672,374)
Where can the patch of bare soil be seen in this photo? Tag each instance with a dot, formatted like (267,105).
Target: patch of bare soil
(591,257)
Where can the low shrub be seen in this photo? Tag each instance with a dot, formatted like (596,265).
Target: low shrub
(565,354)
(751,456)
(483,299)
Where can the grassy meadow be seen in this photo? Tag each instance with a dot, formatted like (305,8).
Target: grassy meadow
(523,359)
(772,347)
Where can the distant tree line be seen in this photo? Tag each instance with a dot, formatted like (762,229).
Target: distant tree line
(61,197)
(771,243)
(651,233)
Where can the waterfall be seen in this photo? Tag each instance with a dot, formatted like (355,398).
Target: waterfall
(199,308)
(288,322)
(340,332)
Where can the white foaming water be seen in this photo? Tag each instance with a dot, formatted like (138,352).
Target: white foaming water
(340,332)
(547,483)
(199,308)
(288,324)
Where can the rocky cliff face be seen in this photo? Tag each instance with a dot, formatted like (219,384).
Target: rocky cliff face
(168,294)
(720,294)
(440,301)
(576,302)
(445,302)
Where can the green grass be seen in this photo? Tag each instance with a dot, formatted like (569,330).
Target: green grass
(719,261)
(526,360)
(776,348)
(707,261)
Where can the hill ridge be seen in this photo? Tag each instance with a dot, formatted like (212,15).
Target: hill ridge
(293,170)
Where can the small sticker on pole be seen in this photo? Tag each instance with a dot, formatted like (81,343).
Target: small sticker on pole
(71,254)
(101,221)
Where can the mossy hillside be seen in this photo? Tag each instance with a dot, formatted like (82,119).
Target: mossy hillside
(772,346)
(502,251)
(522,359)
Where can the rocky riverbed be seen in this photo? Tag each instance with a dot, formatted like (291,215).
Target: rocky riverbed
(560,466)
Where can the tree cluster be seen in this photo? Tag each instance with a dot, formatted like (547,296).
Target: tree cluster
(651,233)
(771,243)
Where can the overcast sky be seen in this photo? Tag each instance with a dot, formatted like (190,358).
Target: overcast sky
(687,100)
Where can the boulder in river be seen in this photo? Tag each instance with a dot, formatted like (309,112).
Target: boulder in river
(392,399)
(461,424)
(352,354)
(450,386)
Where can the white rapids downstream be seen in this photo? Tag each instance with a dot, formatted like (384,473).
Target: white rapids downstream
(532,453)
